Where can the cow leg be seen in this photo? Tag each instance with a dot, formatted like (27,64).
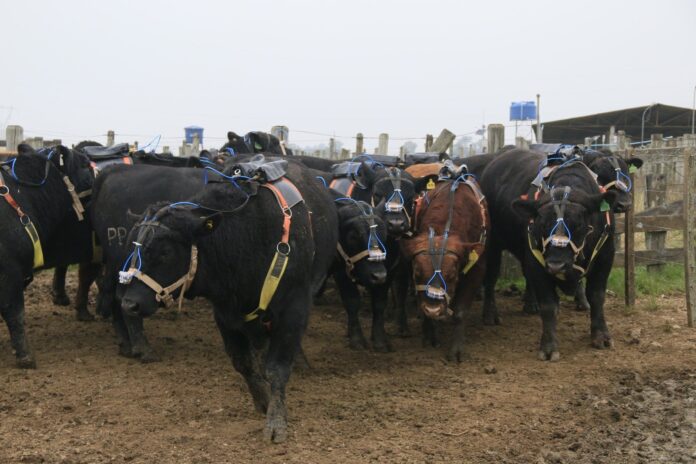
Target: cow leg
(124,343)
(531,306)
(286,337)
(350,295)
(429,333)
(581,303)
(380,340)
(107,293)
(596,291)
(490,309)
(87,274)
(548,310)
(239,350)
(467,288)
(13,313)
(58,294)
(400,290)
(140,346)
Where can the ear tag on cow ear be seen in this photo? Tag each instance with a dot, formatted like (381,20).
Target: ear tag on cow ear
(604,206)
(632,169)
(209,224)
(430,185)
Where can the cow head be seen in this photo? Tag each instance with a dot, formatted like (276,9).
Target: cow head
(613,173)
(393,191)
(235,145)
(559,224)
(437,263)
(163,251)
(361,236)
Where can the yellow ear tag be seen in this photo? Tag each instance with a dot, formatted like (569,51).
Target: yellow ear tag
(430,185)
(209,224)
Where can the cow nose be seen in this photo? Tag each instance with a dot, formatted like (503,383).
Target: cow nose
(395,224)
(555,267)
(129,306)
(378,277)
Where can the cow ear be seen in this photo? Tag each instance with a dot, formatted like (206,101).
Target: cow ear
(366,175)
(601,201)
(232,137)
(62,156)
(425,183)
(634,163)
(207,224)
(526,209)
(25,149)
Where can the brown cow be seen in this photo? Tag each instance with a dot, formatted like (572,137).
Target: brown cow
(446,250)
(422,170)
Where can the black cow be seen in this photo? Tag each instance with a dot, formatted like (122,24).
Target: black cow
(35,192)
(118,194)
(568,229)
(239,230)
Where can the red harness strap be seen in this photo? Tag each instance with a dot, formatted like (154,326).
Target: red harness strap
(5,193)
(350,189)
(287,213)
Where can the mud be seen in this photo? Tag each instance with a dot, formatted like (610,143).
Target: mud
(634,403)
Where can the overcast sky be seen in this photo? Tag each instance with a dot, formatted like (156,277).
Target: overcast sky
(74,69)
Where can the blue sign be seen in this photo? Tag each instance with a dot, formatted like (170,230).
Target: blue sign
(523,111)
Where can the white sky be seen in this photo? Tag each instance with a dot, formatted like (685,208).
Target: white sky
(74,69)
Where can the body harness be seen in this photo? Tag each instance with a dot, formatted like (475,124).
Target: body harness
(560,235)
(287,196)
(24,219)
(375,251)
(436,287)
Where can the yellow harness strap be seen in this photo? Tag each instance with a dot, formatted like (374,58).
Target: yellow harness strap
(473,258)
(26,222)
(280,259)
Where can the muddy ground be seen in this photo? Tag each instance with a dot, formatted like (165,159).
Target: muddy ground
(635,403)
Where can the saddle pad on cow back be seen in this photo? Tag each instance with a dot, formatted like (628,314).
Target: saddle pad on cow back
(422,158)
(100,153)
(269,171)
(345,169)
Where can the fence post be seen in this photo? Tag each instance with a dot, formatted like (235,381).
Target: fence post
(496,137)
(110,136)
(629,247)
(442,142)
(621,140)
(359,150)
(332,148)
(690,233)
(656,189)
(428,142)
(656,140)
(282,133)
(383,144)
(521,142)
(14,135)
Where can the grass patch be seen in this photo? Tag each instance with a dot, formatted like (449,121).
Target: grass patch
(669,281)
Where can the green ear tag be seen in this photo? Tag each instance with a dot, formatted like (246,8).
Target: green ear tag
(604,206)
(632,169)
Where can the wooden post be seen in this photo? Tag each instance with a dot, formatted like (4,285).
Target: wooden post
(690,233)
(656,189)
(345,154)
(442,142)
(588,142)
(521,142)
(656,140)
(281,132)
(196,145)
(428,142)
(629,252)
(621,140)
(383,145)
(496,137)
(110,136)
(165,149)
(14,135)
(332,148)
(359,150)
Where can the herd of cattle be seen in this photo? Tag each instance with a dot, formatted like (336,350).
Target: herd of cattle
(257,232)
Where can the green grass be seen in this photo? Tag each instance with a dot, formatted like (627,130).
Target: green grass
(669,281)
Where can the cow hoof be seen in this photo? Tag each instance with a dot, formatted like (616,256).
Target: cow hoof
(26,362)
(602,340)
(530,308)
(552,356)
(276,430)
(149,356)
(84,316)
(382,346)
(357,343)
(456,352)
(61,300)
(125,350)
(581,307)
(491,319)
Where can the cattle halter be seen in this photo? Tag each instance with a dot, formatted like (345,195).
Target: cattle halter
(376,250)
(622,182)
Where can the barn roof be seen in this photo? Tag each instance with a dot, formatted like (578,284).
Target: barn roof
(660,119)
